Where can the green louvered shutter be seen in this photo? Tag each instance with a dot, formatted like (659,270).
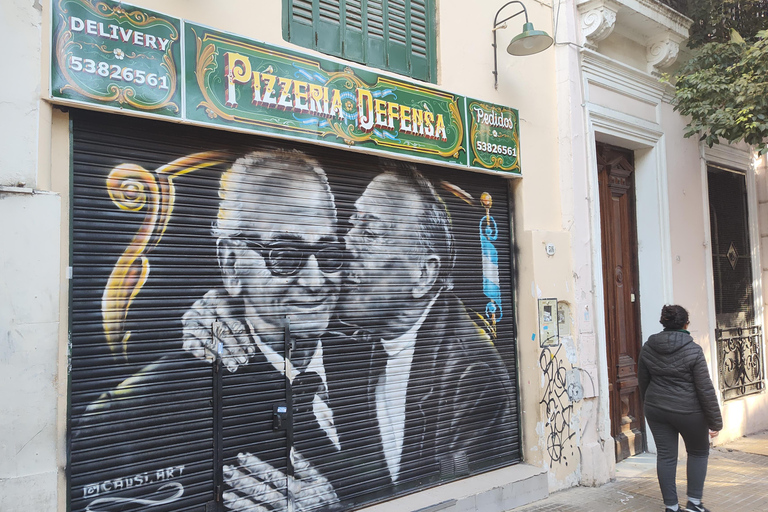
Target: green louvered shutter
(298,19)
(396,22)
(376,46)
(421,38)
(354,30)
(328,26)
(396,35)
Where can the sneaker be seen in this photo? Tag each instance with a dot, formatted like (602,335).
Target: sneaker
(679,509)
(690,507)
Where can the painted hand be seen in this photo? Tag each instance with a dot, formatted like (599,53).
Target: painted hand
(256,486)
(209,327)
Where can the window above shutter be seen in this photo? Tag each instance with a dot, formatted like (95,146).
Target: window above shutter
(396,35)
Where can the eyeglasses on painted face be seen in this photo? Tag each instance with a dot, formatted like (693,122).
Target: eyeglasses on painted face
(288,257)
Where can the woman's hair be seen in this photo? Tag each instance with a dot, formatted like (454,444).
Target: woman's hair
(673,317)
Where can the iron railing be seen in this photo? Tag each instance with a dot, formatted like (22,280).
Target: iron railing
(740,361)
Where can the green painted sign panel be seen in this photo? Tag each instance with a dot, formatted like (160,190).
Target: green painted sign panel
(122,57)
(233,81)
(494,136)
(116,55)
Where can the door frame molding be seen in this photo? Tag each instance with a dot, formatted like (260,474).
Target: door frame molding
(646,140)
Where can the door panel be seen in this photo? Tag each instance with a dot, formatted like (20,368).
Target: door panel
(619,250)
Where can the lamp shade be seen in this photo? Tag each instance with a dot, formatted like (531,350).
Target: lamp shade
(530,41)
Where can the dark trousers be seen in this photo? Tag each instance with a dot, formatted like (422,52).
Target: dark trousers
(666,426)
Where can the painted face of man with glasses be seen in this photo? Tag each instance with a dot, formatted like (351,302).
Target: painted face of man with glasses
(280,258)
(278,251)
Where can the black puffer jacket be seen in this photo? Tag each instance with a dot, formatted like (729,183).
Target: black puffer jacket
(674,377)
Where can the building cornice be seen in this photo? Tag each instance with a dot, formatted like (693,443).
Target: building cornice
(735,156)
(649,23)
(619,77)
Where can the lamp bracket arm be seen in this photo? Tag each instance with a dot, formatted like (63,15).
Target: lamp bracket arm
(505,20)
(496,23)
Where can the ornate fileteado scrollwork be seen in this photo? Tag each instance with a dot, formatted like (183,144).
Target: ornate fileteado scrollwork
(133,188)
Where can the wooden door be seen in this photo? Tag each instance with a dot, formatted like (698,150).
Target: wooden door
(622,326)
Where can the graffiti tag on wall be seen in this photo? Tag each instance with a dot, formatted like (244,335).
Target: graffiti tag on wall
(558,405)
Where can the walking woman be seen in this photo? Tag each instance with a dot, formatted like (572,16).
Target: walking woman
(679,400)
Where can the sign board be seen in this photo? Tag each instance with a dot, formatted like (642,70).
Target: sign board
(494,136)
(238,82)
(115,55)
(124,58)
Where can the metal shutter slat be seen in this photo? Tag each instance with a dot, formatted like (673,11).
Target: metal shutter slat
(166,418)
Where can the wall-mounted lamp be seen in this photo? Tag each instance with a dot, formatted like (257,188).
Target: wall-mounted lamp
(528,42)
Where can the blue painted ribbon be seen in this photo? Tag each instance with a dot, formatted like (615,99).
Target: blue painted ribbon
(489,233)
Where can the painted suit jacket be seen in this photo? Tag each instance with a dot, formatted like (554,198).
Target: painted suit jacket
(160,417)
(460,409)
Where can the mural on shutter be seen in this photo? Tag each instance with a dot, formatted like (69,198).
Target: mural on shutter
(397,35)
(266,323)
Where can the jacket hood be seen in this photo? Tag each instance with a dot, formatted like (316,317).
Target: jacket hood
(667,342)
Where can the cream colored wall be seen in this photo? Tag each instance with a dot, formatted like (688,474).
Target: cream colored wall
(620,48)
(20,30)
(688,228)
(29,316)
(626,106)
(761,174)
(30,234)
(260,20)
(528,84)
(592,425)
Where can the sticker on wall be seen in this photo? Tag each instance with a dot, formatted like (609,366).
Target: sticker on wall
(548,331)
(563,318)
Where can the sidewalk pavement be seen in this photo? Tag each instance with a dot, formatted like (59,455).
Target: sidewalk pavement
(737,480)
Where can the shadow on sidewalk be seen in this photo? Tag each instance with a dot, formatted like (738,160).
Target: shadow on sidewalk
(736,481)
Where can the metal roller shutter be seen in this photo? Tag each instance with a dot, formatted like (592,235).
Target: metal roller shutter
(402,364)
(141,414)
